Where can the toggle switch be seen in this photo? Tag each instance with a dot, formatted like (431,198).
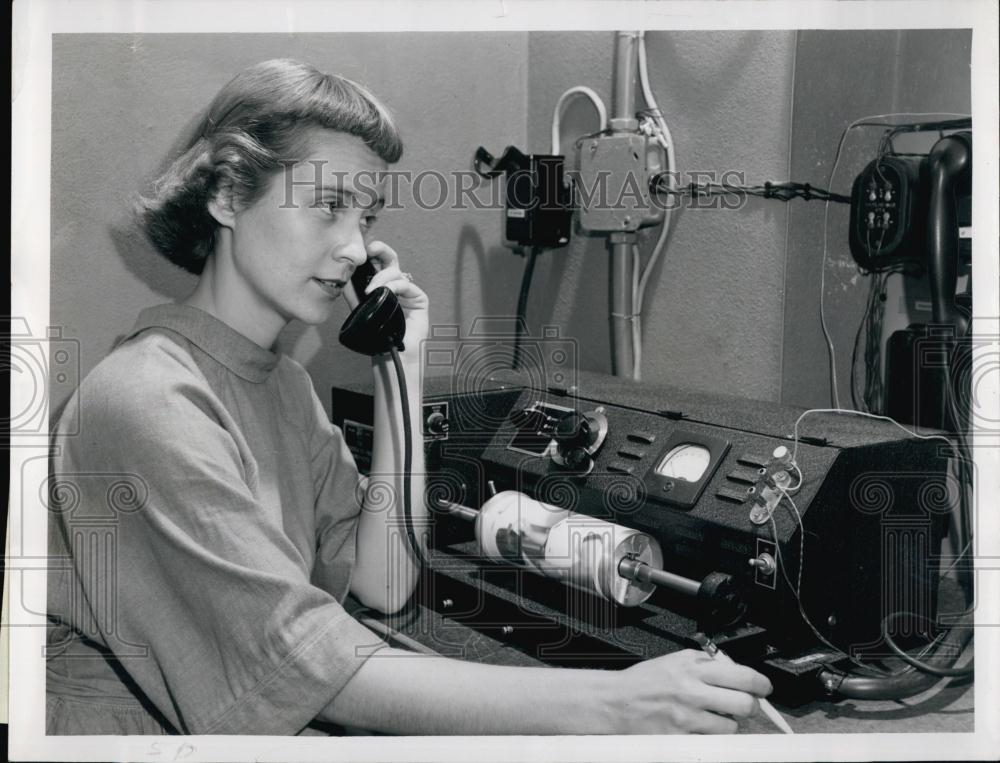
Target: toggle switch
(765,564)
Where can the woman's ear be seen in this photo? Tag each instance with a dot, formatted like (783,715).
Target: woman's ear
(222,205)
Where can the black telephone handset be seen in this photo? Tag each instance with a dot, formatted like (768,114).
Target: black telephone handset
(377,324)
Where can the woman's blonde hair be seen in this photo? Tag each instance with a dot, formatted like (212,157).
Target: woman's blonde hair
(258,123)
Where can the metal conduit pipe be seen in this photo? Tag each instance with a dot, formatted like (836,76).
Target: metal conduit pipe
(620,244)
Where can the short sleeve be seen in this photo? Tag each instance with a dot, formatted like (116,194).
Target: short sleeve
(208,605)
(340,492)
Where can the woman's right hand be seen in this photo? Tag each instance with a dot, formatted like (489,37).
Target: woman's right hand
(687,692)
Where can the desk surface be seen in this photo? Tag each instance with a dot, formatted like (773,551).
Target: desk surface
(945,707)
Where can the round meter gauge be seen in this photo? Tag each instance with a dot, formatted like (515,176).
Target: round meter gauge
(686,462)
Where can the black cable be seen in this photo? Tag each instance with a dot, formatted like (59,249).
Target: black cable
(407,458)
(873,344)
(779,191)
(923,667)
(521,321)
(906,683)
(854,354)
(917,677)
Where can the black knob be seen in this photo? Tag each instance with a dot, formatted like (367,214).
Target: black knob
(573,431)
(722,601)
(437,424)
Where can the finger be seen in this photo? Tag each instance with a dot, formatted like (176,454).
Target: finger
(383,277)
(410,295)
(737,704)
(383,254)
(703,722)
(730,675)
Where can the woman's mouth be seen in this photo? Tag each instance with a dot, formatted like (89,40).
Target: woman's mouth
(332,286)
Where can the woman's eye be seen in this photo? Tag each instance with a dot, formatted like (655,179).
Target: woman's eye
(369,221)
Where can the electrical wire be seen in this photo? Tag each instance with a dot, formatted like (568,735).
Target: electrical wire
(661,131)
(522,305)
(874,392)
(862,122)
(850,412)
(636,328)
(966,670)
(407,459)
(960,522)
(913,663)
(796,590)
(785,191)
(602,112)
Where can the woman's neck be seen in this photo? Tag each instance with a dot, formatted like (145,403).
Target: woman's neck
(223,298)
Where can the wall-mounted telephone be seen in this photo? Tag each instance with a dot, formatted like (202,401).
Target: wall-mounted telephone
(377,324)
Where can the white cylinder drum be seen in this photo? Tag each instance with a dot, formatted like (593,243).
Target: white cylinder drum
(576,549)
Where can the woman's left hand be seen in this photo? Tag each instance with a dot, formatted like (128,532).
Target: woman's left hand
(411,297)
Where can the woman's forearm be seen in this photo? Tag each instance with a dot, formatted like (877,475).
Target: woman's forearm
(402,692)
(386,572)
(682,692)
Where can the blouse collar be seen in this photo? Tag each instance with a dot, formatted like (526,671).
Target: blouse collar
(238,353)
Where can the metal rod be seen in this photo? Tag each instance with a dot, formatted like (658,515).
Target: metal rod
(458,510)
(630,569)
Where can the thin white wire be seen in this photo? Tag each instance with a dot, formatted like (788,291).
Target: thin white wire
(565,98)
(665,139)
(826,216)
(798,587)
(852,412)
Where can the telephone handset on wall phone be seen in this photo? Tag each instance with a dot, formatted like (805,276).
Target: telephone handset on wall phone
(377,324)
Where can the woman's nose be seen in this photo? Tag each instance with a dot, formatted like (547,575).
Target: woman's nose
(351,248)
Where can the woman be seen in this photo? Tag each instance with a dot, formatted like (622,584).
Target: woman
(209,601)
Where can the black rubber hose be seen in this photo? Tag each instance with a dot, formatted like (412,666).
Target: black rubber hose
(901,685)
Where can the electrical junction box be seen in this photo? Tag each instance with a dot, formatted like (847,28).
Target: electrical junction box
(612,186)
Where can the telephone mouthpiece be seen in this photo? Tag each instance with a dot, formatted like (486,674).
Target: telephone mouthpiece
(376,325)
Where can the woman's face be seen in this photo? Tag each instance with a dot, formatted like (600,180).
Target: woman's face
(296,246)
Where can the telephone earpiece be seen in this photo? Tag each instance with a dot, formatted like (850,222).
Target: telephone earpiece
(377,324)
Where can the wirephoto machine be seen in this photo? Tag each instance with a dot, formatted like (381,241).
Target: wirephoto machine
(588,520)
(606,522)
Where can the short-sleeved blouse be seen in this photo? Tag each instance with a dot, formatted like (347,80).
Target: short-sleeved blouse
(202,533)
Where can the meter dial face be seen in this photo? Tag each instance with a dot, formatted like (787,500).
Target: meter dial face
(686,462)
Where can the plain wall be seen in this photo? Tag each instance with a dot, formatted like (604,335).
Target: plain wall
(121,102)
